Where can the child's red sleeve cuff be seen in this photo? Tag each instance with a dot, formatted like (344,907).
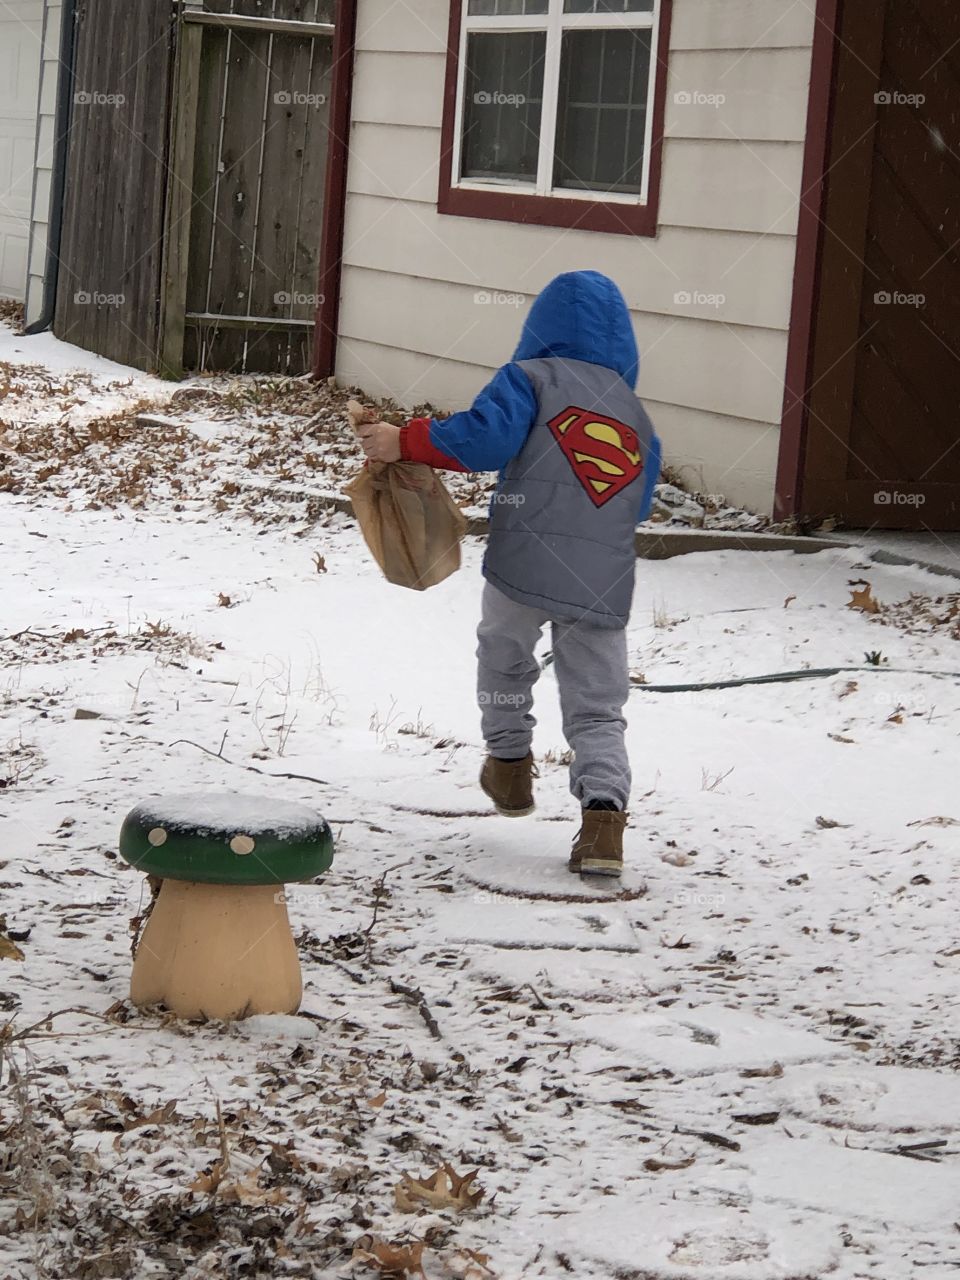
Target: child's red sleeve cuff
(415,446)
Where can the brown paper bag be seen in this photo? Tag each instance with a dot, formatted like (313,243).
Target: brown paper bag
(408,519)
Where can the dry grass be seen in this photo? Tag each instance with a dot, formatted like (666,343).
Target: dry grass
(158,637)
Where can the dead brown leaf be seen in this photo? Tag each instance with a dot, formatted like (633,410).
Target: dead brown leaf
(162,1115)
(864,600)
(392,1259)
(9,949)
(444,1189)
(249,1192)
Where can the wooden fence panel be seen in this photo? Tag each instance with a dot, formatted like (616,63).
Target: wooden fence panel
(111,250)
(260,163)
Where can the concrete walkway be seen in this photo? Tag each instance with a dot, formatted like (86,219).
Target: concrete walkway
(938,552)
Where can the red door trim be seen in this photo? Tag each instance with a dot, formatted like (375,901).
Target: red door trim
(806,276)
(335,193)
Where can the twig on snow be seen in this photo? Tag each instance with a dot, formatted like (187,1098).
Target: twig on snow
(415,997)
(252,768)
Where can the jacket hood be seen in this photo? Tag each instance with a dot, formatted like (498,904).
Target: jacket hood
(582,315)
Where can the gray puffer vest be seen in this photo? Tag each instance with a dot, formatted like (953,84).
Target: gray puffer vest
(563,517)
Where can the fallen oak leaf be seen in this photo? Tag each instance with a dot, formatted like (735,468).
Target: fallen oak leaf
(444,1189)
(162,1115)
(392,1259)
(249,1192)
(9,949)
(207,1183)
(864,600)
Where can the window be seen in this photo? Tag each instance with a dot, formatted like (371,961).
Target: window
(554,112)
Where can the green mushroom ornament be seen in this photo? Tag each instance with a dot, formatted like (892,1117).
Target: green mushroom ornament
(218,942)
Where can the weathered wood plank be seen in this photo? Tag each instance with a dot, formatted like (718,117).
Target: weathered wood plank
(244,22)
(111,251)
(180,202)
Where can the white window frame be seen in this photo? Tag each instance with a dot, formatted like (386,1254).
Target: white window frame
(554,22)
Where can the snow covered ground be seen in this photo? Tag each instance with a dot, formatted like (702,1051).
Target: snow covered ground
(737,1065)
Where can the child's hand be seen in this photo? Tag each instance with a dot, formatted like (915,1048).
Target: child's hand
(380,441)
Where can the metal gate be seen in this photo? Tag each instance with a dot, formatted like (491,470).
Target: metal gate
(247,170)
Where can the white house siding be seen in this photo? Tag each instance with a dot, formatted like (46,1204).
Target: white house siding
(412,324)
(20,34)
(43,168)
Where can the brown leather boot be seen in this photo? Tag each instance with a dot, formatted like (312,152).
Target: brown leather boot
(509,784)
(598,848)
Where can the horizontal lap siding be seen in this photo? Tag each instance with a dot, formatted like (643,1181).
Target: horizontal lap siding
(412,326)
(43,170)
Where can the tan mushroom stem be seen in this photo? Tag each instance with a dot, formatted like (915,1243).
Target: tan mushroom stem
(221,951)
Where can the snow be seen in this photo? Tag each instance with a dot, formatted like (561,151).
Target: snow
(228,812)
(737,1064)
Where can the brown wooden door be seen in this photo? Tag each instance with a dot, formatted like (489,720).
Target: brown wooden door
(883,434)
(250,158)
(108,291)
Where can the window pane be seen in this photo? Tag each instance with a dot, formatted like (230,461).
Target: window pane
(503,92)
(605,6)
(505,8)
(602,111)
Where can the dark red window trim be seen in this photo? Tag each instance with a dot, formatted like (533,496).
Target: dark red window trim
(552,211)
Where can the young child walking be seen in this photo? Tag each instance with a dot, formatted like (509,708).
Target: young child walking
(578,459)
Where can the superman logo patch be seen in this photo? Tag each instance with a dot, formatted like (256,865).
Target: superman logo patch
(603,453)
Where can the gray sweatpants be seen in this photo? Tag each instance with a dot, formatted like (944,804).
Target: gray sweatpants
(591,667)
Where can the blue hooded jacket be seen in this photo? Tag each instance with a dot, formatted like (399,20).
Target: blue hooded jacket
(580,315)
